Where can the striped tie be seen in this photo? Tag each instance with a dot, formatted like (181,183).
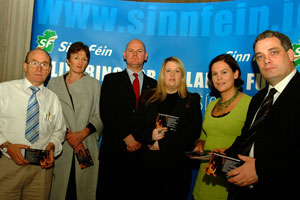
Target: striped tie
(264,109)
(32,120)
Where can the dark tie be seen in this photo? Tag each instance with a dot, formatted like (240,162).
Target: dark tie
(136,87)
(264,108)
(247,142)
(32,119)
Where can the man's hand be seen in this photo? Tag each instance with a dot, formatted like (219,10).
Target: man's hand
(244,175)
(14,151)
(49,161)
(131,143)
(154,147)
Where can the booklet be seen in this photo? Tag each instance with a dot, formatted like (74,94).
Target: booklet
(36,156)
(84,160)
(197,155)
(169,121)
(220,164)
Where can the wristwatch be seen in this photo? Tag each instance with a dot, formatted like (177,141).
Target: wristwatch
(4,149)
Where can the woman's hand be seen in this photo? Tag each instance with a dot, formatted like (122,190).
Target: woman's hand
(200,146)
(159,133)
(74,139)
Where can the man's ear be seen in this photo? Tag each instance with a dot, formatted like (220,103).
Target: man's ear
(291,54)
(25,67)
(146,57)
(124,55)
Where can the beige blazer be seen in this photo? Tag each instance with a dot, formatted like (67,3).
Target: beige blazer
(86,98)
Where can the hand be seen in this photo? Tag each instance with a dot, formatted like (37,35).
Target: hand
(244,175)
(159,133)
(81,148)
(154,147)
(14,151)
(131,143)
(74,139)
(200,146)
(221,151)
(49,161)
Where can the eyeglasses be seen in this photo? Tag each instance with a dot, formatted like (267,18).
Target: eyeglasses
(35,64)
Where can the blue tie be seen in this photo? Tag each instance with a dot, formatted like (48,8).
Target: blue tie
(32,120)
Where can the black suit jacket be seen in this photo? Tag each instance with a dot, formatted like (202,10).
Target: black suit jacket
(276,143)
(117,110)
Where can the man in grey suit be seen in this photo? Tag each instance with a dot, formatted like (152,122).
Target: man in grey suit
(271,148)
(119,170)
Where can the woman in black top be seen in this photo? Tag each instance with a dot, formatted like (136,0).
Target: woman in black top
(166,169)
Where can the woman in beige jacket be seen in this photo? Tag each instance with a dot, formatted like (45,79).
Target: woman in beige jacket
(79,95)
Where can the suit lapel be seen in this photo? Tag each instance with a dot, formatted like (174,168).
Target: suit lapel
(127,85)
(287,93)
(63,93)
(146,83)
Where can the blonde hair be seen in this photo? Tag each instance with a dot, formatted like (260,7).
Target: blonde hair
(160,92)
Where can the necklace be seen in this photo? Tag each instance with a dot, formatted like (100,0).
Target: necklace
(222,105)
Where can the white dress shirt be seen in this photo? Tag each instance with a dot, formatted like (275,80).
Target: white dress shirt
(14,97)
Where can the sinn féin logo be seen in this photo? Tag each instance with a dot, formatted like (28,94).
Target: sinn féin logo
(296,48)
(46,41)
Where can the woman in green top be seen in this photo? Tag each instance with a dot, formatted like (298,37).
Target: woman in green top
(223,122)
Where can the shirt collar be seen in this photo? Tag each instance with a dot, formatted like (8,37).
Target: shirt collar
(130,73)
(283,83)
(27,84)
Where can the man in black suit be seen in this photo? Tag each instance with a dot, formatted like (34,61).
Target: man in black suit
(119,171)
(271,148)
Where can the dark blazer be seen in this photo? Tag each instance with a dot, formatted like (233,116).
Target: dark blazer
(276,143)
(167,172)
(117,110)
(119,172)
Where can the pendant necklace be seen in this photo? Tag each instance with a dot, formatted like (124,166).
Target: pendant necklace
(222,105)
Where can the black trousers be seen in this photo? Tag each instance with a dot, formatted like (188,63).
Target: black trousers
(119,177)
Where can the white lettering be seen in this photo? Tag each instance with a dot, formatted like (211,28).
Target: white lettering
(188,79)
(239,57)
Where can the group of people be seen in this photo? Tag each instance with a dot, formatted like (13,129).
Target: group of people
(137,159)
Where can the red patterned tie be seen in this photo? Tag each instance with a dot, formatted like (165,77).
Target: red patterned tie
(136,87)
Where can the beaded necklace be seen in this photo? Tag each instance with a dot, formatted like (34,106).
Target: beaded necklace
(222,105)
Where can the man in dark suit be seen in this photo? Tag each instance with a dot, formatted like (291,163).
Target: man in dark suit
(119,171)
(271,148)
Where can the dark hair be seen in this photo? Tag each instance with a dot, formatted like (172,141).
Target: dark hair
(284,40)
(232,64)
(29,52)
(78,46)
